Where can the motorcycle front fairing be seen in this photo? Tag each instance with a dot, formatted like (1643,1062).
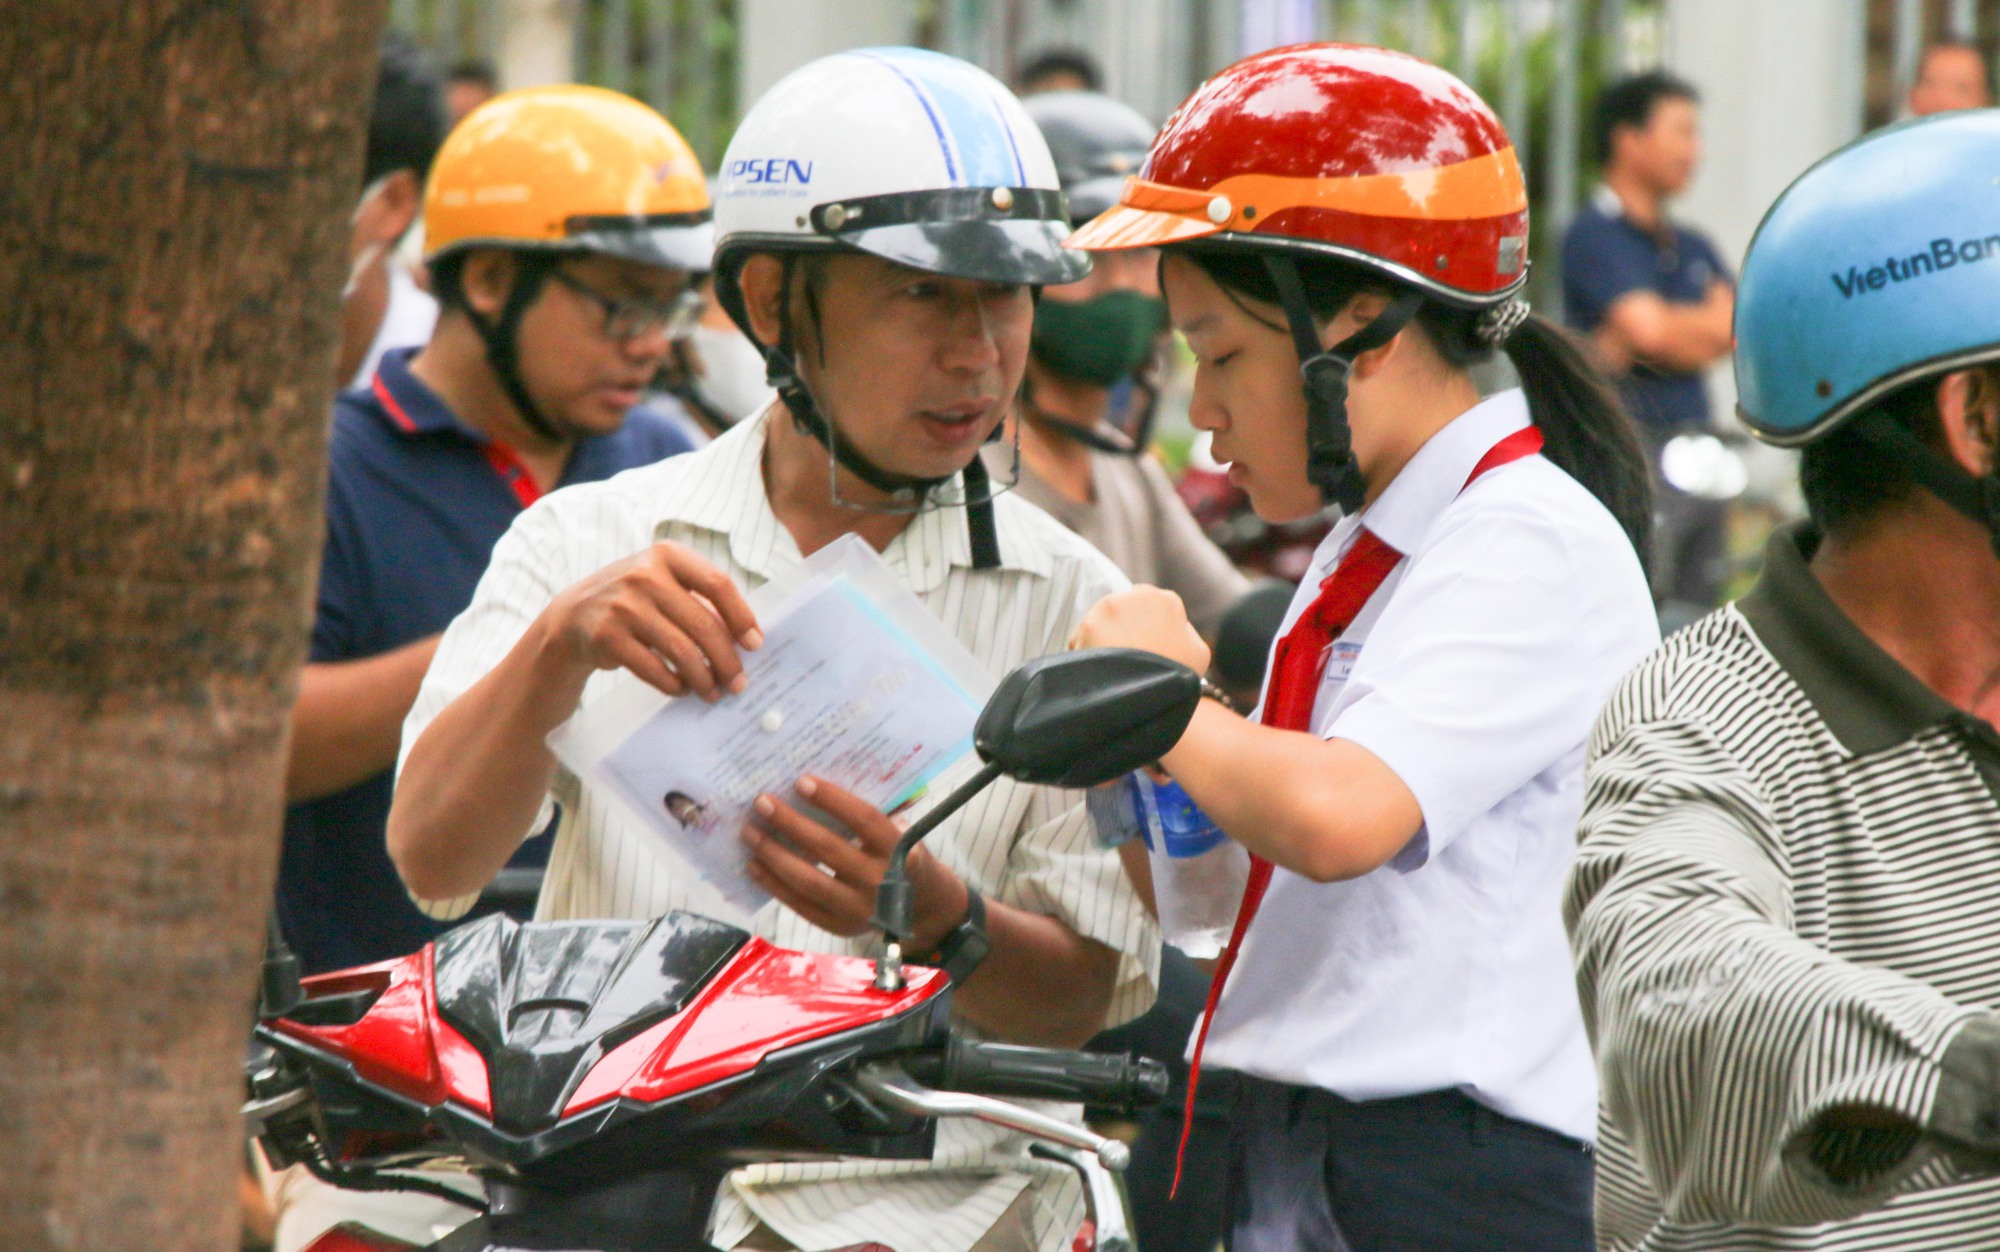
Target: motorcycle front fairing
(568,1054)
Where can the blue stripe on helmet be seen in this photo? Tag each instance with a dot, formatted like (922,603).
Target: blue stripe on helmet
(937,126)
(964,113)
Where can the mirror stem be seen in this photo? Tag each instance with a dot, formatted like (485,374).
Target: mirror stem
(895,901)
(281,992)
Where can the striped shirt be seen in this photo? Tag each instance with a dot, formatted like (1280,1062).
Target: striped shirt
(1786,901)
(1029,847)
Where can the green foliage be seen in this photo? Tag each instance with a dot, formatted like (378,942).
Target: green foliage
(679,56)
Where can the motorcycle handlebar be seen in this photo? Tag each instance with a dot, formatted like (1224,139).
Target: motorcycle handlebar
(996,1069)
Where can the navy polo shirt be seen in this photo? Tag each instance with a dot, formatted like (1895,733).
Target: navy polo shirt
(1606,256)
(415,502)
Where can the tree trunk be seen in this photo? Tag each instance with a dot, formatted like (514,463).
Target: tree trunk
(178,178)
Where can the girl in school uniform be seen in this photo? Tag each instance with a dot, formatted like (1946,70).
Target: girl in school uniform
(1345,236)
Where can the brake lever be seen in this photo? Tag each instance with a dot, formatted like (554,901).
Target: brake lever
(1107,1203)
(893,1087)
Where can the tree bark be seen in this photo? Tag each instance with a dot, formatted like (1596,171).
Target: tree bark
(178,177)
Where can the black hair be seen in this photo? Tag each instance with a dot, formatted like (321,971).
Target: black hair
(476,70)
(1847,481)
(407,121)
(1052,61)
(1630,102)
(1585,431)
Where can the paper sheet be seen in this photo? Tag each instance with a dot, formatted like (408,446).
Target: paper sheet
(856,683)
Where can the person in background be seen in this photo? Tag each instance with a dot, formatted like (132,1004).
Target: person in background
(715,376)
(1951,74)
(1059,69)
(1785,908)
(544,344)
(1656,299)
(1085,417)
(472,83)
(381,305)
(559,303)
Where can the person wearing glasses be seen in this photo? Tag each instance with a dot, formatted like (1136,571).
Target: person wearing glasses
(883,218)
(557,309)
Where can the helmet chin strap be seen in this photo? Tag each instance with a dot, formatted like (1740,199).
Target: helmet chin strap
(1976,496)
(1330,462)
(502,338)
(782,373)
(1101,437)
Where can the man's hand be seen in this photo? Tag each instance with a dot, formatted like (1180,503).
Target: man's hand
(830,879)
(666,614)
(1146,618)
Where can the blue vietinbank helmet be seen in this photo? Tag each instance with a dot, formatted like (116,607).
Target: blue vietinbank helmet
(1878,267)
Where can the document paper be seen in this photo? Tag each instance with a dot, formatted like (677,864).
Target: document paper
(856,683)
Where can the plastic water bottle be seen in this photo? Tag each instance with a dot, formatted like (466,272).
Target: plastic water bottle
(1198,871)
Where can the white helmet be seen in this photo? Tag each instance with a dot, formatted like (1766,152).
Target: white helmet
(914,156)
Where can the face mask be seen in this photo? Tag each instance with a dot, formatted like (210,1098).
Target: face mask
(360,264)
(734,380)
(1100,340)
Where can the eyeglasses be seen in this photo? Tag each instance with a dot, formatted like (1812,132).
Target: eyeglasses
(627,318)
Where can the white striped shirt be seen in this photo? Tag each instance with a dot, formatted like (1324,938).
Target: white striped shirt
(1029,847)
(1787,899)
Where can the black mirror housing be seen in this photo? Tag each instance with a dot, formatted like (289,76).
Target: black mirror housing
(1077,719)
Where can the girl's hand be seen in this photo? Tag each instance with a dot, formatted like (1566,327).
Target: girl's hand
(1146,618)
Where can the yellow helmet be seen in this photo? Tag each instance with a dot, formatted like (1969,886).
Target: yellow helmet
(570,169)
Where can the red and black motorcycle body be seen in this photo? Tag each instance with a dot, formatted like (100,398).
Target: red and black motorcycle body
(602,1076)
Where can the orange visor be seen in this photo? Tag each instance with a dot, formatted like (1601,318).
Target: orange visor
(1149,215)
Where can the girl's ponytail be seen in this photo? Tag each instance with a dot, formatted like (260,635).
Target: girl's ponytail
(1585,430)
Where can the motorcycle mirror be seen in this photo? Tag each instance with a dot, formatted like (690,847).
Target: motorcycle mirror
(1075,719)
(1078,719)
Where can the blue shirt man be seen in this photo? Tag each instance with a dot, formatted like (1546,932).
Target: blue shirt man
(1607,256)
(1656,302)
(416,500)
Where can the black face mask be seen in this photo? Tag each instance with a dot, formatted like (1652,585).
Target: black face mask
(1100,340)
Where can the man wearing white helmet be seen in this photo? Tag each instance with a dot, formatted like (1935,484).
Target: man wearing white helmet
(884,217)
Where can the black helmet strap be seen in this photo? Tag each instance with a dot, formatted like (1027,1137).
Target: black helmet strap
(1104,437)
(1978,497)
(502,338)
(1330,462)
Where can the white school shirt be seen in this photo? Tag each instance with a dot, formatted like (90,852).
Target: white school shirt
(1030,847)
(1474,672)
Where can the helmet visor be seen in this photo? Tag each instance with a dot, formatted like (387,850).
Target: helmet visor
(679,241)
(997,234)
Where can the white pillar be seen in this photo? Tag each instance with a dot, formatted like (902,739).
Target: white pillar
(776,37)
(1781,86)
(538,42)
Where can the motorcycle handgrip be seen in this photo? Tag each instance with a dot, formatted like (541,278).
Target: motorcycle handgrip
(1107,1080)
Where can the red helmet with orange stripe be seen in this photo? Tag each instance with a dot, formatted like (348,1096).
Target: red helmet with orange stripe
(1353,153)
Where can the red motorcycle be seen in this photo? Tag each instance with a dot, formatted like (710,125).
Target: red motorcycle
(603,1077)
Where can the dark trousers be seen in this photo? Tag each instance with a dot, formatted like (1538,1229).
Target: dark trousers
(1440,1172)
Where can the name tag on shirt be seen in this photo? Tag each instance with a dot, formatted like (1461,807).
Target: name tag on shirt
(1340,657)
